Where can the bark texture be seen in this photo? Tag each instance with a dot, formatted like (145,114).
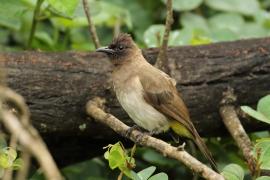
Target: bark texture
(57,86)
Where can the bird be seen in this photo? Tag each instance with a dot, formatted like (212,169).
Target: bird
(149,95)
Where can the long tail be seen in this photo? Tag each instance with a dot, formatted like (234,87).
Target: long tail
(203,148)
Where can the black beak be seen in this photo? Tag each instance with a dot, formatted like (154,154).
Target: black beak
(105,50)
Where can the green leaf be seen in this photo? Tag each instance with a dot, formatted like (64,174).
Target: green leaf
(262,16)
(255,114)
(65,7)
(159,176)
(104,13)
(199,39)
(10,13)
(185,5)
(12,154)
(134,176)
(44,37)
(233,172)
(17,164)
(179,38)
(263,178)
(106,155)
(253,30)
(218,35)
(146,173)
(153,35)
(126,171)
(264,148)
(5,161)
(246,7)
(4,37)
(264,106)
(231,21)
(116,159)
(194,21)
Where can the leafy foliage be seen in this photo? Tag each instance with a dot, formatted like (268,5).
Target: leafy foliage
(62,25)
(263,110)
(118,158)
(233,172)
(8,157)
(262,147)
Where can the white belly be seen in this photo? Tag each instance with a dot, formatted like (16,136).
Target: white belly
(143,114)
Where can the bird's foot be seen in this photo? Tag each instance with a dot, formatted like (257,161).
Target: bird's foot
(181,147)
(149,133)
(134,127)
(139,138)
(153,132)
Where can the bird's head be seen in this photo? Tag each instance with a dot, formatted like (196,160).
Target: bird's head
(121,49)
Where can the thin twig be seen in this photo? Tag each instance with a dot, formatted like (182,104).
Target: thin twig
(28,137)
(120,176)
(92,28)
(162,59)
(34,23)
(23,113)
(93,109)
(117,27)
(233,124)
(2,76)
(23,172)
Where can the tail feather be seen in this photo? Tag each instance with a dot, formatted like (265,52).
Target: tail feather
(203,148)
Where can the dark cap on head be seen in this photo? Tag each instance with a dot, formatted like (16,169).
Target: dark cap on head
(121,47)
(123,39)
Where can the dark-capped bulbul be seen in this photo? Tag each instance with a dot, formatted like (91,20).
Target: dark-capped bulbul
(149,95)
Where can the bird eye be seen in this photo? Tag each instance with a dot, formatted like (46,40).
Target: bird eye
(121,47)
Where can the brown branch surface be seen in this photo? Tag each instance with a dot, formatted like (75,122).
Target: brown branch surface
(233,124)
(94,110)
(92,28)
(162,59)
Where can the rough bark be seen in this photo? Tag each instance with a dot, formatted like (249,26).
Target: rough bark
(57,86)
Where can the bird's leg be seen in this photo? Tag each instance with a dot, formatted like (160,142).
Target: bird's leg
(134,127)
(174,137)
(149,133)
(181,147)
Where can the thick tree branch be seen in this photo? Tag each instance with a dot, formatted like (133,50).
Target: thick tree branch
(233,124)
(56,86)
(94,110)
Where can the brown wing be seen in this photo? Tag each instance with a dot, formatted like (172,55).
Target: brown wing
(160,92)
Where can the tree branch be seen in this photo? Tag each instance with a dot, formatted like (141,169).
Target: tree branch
(92,28)
(26,134)
(34,23)
(233,124)
(162,59)
(94,110)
